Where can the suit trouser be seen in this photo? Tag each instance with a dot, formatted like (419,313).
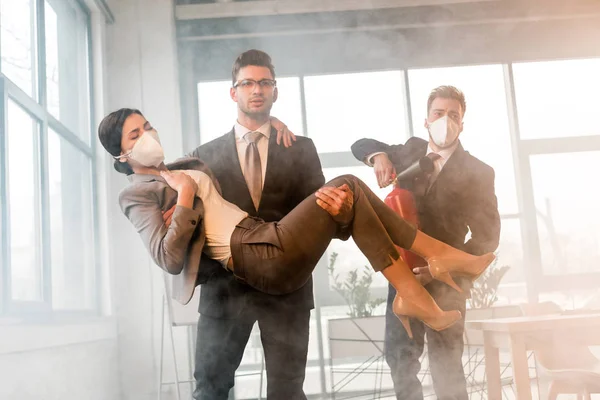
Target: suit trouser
(279,257)
(444,349)
(221,344)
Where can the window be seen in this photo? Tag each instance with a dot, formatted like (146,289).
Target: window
(340,109)
(47,186)
(71,224)
(557,98)
(218,112)
(18,43)
(67,66)
(566,208)
(24,205)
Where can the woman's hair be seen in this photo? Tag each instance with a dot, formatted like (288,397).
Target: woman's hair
(110,132)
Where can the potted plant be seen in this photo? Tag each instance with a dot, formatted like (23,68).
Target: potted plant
(355,289)
(485,289)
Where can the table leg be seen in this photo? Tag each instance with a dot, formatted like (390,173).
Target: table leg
(520,367)
(492,369)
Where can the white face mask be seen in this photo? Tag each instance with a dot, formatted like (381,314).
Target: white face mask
(147,150)
(444,131)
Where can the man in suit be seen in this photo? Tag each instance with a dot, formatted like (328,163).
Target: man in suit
(457,197)
(267,181)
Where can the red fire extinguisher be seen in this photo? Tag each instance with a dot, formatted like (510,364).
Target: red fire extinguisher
(402,201)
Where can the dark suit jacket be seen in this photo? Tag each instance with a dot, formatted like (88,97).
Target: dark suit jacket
(462,198)
(292,175)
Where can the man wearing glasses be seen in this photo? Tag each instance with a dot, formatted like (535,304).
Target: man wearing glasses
(267,181)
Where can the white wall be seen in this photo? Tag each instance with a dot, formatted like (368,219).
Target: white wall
(141,72)
(84,371)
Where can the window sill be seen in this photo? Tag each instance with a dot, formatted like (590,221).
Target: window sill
(17,336)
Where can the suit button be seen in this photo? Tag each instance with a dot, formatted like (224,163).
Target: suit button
(193,222)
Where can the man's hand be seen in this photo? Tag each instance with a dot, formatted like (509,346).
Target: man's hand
(168,216)
(337,201)
(283,132)
(384,169)
(423,275)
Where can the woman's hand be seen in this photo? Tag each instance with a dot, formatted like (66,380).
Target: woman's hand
(184,185)
(179,181)
(283,132)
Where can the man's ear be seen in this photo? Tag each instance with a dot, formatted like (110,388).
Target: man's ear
(233,94)
(275,94)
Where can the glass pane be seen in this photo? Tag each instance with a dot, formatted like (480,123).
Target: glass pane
(218,112)
(18,43)
(67,71)
(512,288)
(567,216)
(25,259)
(71,226)
(486,130)
(288,107)
(557,98)
(340,109)
(349,256)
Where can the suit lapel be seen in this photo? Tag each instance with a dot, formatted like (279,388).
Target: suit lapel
(451,171)
(231,159)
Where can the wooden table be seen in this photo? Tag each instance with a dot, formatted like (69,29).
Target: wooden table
(525,333)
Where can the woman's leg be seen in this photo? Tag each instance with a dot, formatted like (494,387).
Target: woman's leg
(281,258)
(306,231)
(442,258)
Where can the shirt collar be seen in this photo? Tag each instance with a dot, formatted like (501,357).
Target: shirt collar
(240,130)
(136,178)
(444,153)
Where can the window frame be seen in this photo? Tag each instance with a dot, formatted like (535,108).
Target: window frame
(37,109)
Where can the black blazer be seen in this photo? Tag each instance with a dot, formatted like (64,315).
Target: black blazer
(462,198)
(292,175)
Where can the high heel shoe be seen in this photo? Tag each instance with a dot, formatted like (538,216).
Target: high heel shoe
(441,268)
(405,308)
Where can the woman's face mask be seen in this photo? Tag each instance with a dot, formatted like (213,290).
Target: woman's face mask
(147,150)
(444,131)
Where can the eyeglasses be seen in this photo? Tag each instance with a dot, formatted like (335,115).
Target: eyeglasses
(250,84)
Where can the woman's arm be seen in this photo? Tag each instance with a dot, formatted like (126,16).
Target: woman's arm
(167,246)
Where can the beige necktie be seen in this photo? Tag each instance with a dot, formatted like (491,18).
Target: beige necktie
(252,168)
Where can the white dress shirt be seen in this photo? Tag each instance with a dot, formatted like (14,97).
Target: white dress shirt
(262,144)
(444,156)
(220,218)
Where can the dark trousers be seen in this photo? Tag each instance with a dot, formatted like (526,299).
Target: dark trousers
(221,344)
(444,348)
(279,257)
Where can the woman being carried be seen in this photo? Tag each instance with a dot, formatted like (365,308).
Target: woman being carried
(275,257)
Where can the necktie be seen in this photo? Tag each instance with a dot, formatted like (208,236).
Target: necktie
(436,169)
(252,168)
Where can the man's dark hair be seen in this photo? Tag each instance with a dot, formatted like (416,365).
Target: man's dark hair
(253,57)
(110,132)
